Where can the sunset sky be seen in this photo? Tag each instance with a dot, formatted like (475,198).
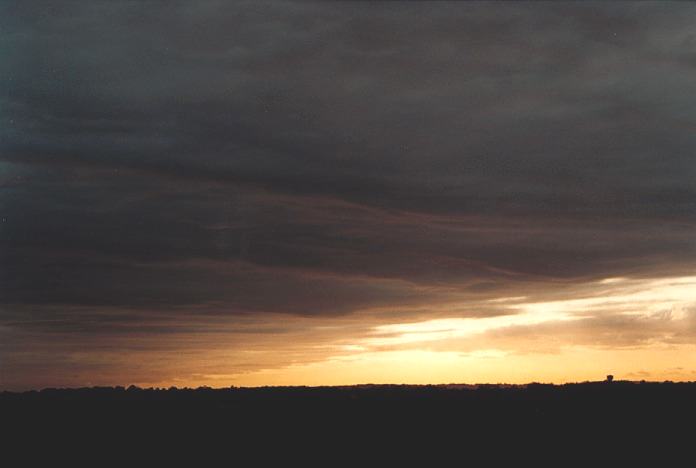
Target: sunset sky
(229,193)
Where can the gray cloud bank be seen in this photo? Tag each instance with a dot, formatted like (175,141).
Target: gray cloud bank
(216,158)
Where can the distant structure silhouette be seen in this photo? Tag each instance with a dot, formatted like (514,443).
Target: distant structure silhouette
(610,378)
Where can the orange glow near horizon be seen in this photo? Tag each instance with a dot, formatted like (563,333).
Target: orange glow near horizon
(636,329)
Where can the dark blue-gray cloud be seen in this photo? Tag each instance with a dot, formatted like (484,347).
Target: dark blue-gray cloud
(321,159)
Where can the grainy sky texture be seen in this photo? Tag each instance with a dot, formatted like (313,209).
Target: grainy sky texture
(229,193)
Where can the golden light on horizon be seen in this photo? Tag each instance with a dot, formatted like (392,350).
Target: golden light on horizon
(634,328)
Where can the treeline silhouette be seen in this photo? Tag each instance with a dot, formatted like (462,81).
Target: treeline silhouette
(347,420)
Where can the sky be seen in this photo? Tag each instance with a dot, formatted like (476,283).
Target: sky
(230,193)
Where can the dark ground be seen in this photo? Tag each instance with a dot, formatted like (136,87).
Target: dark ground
(624,420)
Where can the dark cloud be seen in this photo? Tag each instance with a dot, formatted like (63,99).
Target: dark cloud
(324,160)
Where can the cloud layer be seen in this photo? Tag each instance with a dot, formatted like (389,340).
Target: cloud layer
(176,174)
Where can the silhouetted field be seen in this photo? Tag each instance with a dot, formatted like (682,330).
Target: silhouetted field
(396,419)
